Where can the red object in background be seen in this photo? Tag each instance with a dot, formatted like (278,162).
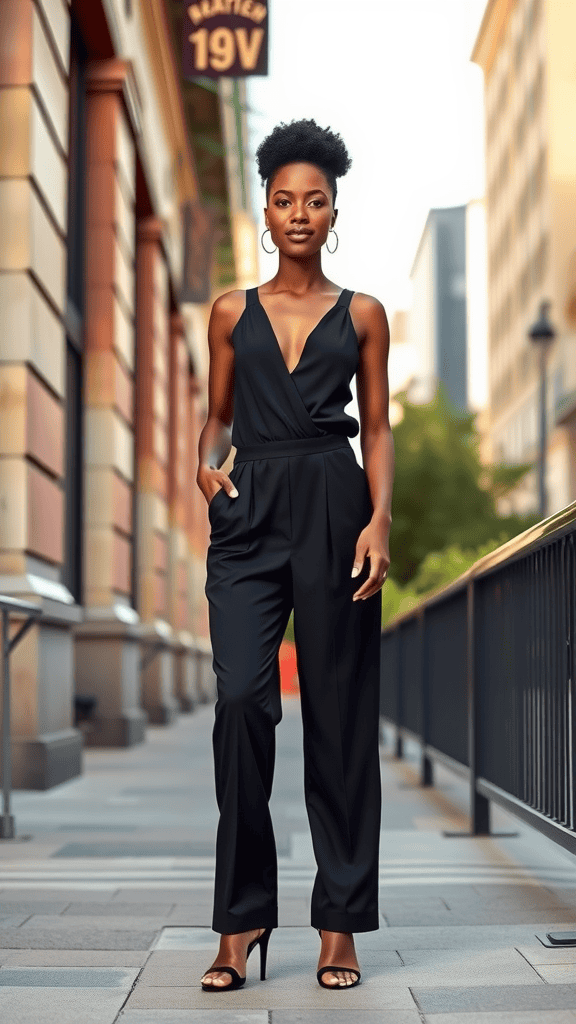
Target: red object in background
(289,685)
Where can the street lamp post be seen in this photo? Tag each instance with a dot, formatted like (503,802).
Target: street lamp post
(541,334)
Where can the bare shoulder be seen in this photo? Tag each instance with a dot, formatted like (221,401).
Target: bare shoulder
(368,315)
(227,309)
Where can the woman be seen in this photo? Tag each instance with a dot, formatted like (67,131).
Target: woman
(297,524)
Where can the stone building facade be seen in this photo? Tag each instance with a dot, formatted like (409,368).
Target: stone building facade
(103,369)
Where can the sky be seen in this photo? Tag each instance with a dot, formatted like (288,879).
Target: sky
(394,77)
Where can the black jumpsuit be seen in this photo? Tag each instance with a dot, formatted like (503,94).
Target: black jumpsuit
(288,541)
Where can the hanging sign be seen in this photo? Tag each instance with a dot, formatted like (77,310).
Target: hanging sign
(225,37)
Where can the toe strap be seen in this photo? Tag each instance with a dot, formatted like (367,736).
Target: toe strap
(335,970)
(229,970)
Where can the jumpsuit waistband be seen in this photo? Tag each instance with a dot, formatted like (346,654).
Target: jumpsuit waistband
(291,446)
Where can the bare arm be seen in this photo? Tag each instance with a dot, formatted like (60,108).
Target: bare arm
(376,440)
(215,439)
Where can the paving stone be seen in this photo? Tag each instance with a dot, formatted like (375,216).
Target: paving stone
(175,937)
(40,897)
(151,895)
(505,916)
(66,977)
(28,938)
(192,1017)
(117,909)
(191,915)
(405,895)
(520,892)
(455,937)
(31,906)
(538,954)
(73,958)
(60,1006)
(171,958)
(105,922)
(455,967)
(346,1017)
(88,828)
(13,920)
(504,1017)
(136,848)
(419,918)
(294,917)
(494,998)
(557,974)
(296,991)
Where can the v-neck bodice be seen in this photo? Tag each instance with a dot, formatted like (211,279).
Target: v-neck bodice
(318,325)
(272,403)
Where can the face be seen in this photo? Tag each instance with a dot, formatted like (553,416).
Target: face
(299,212)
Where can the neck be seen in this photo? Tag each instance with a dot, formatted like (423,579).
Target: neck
(299,274)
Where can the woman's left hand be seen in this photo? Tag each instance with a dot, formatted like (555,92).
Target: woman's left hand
(373,544)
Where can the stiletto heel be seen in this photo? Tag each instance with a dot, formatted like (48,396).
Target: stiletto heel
(334,970)
(237,981)
(261,941)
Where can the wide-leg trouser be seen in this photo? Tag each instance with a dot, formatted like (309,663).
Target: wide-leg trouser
(288,541)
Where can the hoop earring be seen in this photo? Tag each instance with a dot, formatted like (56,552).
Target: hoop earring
(269,251)
(336,246)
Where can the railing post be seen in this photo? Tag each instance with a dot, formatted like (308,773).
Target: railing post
(479,805)
(32,612)
(426,765)
(6,820)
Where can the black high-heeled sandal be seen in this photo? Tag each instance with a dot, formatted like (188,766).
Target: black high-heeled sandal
(238,981)
(333,970)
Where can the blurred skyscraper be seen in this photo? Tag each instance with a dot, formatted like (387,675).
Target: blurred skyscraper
(526,50)
(438,328)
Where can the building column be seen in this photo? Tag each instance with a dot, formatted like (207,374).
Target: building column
(152,460)
(34,57)
(107,647)
(178,483)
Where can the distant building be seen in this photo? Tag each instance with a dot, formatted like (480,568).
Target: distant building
(477,304)
(526,51)
(477,322)
(438,313)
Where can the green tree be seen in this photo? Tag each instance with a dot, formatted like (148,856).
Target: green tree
(443,496)
(436,570)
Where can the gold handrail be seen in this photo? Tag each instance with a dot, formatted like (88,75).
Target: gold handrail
(521,544)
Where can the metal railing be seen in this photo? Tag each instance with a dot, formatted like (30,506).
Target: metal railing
(482,673)
(30,612)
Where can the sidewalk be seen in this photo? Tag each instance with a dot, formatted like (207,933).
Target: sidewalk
(105,914)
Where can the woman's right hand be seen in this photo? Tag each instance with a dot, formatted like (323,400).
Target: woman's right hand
(210,481)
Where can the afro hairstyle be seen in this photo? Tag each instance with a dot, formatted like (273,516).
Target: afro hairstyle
(306,141)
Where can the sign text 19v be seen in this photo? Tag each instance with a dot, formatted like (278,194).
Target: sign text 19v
(225,37)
